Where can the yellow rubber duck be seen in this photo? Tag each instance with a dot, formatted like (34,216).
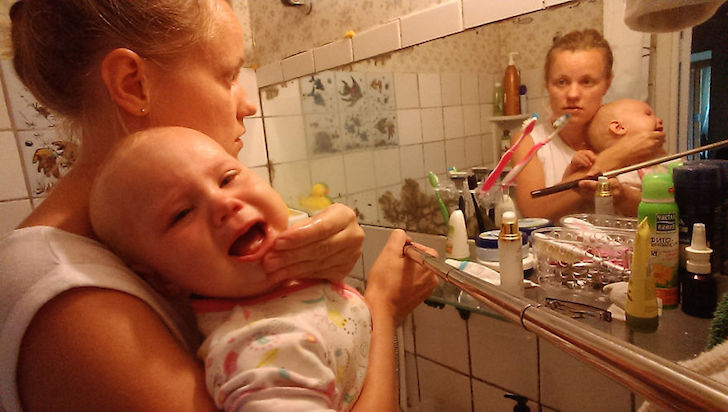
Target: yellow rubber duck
(318,199)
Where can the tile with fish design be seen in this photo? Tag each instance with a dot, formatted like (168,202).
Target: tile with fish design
(48,157)
(318,93)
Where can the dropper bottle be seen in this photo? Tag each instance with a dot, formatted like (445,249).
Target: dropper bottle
(603,204)
(699,289)
(509,254)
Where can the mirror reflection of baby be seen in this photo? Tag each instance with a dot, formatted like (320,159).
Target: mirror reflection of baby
(173,204)
(614,121)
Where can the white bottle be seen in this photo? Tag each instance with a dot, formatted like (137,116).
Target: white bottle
(457,237)
(603,202)
(509,255)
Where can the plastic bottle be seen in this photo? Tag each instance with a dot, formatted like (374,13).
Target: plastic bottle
(699,289)
(511,84)
(509,255)
(456,246)
(641,305)
(523,99)
(498,99)
(659,207)
(603,202)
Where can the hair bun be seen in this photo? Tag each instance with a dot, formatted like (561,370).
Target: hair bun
(15,10)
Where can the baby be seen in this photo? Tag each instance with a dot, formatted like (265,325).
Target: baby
(203,224)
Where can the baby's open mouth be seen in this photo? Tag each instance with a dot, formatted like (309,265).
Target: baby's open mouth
(249,242)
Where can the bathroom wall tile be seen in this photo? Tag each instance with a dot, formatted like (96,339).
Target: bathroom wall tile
(409,334)
(357,272)
(430,89)
(433,124)
(262,171)
(366,207)
(455,153)
(471,119)
(47,157)
(549,3)
(441,337)
(292,181)
(410,126)
(504,354)
(540,105)
(269,74)
(283,99)
(254,152)
(485,87)
(330,170)
(533,79)
(377,40)
(450,89)
(469,87)
(474,151)
(298,65)
(4,112)
(286,138)
(357,284)
(431,23)
(486,112)
(249,81)
(412,161)
(406,91)
(488,398)
(11,171)
(435,157)
(27,112)
(436,242)
(477,12)
(491,150)
(333,54)
(570,385)
(13,212)
(359,175)
(413,390)
(453,122)
(387,167)
(374,240)
(442,389)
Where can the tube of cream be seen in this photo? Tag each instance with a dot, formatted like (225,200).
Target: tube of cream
(641,306)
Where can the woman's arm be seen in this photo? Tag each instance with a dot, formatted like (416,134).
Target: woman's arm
(630,149)
(395,286)
(325,246)
(97,349)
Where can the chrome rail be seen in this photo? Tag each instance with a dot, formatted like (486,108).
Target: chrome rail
(665,383)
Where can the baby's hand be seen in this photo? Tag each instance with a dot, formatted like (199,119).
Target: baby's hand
(582,160)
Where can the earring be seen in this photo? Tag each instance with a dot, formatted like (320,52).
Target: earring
(143,110)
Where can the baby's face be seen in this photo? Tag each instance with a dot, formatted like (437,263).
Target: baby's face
(203,220)
(638,116)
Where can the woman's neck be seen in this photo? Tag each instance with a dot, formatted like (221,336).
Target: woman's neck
(574,136)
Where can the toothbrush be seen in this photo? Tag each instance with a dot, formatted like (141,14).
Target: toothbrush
(526,129)
(558,125)
(435,183)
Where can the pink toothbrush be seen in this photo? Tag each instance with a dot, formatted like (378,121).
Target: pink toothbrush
(511,176)
(526,129)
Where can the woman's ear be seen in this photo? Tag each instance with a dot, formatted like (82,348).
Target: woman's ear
(616,128)
(123,73)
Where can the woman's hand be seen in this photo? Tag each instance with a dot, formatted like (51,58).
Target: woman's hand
(325,246)
(396,284)
(630,150)
(625,198)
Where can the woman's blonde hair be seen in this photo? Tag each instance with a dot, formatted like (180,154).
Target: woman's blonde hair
(58,45)
(580,40)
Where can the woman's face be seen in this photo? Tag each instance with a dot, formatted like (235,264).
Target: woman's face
(576,83)
(202,91)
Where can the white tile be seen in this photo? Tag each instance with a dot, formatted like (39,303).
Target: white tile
(377,40)
(374,240)
(485,87)
(474,151)
(298,65)
(442,389)
(436,242)
(471,119)
(451,89)
(477,12)
(408,334)
(430,94)
(453,121)
(286,138)
(504,354)
(469,88)
(431,23)
(366,208)
(333,54)
(292,181)
(262,171)
(410,126)
(253,153)
(269,74)
(281,99)
(4,112)
(330,170)
(533,79)
(491,150)
(386,167)
(13,213)
(248,80)
(405,90)
(487,398)
(486,112)
(559,372)
(433,126)
(412,161)
(11,171)
(359,176)
(435,157)
(413,387)
(440,336)
(455,153)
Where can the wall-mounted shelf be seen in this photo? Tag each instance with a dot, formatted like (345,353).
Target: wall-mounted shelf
(500,124)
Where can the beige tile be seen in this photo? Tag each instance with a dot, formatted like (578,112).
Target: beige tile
(374,239)
(11,171)
(410,126)
(358,168)
(485,87)
(377,40)
(455,153)
(412,161)
(477,12)
(298,65)
(488,398)
(333,54)
(471,119)
(451,89)
(433,126)
(430,89)
(431,23)
(269,74)
(13,212)
(413,389)
(474,151)
(453,122)
(440,336)
(469,87)
(387,167)
(442,389)
(405,90)
(435,158)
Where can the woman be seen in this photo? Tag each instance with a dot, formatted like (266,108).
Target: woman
(79,330)
(578,72)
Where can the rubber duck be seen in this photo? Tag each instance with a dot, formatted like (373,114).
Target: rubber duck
(317,200)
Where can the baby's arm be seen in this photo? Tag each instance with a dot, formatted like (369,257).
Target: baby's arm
(582,161)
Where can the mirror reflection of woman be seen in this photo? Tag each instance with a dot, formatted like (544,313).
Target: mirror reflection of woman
(577,74)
